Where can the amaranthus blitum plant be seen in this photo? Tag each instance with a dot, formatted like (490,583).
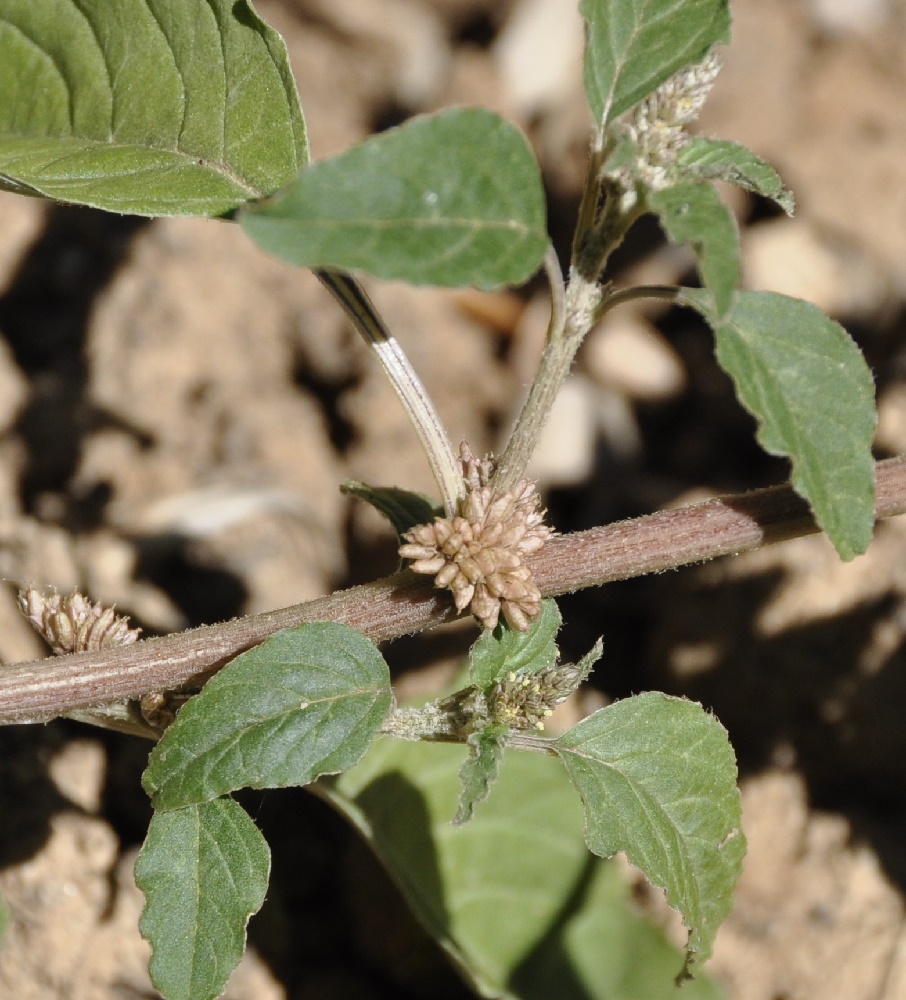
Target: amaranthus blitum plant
(152,108)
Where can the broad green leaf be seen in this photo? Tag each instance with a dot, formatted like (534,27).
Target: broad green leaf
(204,871)
(514,892)
(720,159)
(402,508)
(694,213)
(607,951)
(305,702)
(808,386)
(506,650)
(146,106)
(453,198)
(658,779)
(480,769)
(633,46)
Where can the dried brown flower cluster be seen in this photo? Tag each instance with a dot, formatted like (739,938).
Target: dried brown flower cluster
(71,623)
(478,554)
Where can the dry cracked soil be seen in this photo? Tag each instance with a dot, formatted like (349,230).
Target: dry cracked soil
(177,411)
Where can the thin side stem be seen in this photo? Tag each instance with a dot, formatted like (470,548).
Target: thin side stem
(558,293)
(591,195)
(402,604)
(621,210)
(416,401)
(668,293)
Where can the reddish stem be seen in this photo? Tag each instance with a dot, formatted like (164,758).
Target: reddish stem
(402,604)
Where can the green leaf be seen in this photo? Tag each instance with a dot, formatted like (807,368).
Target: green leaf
(402,508)
(146,106)
(720,159)
(658,779)
(522,851)
(4,918)
(506,650)
(480,769)
(585,665)
(204,871)
(513,897)
(453,198)
(607,951)
(633,46)
(808,386)
(694,213)
(305,702)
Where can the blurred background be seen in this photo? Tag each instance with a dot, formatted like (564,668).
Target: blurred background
(177,412)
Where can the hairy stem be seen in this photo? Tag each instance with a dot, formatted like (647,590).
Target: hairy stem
(574,311)
(570,322)
(402,604)
(416,401)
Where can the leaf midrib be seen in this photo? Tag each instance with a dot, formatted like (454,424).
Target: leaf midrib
(193,160)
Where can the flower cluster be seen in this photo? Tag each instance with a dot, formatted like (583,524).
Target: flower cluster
(523,700)
(659,125)
(478,553)
(72,624)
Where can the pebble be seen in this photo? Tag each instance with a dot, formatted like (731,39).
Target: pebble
(628,354)
(539,54)
(792,257)
(565,453)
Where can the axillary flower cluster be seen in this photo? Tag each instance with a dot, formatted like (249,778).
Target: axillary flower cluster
(478,554)
(526,700)
(72,624)
(660,123)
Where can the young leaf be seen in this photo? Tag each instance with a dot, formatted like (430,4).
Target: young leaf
(657,776)
(453,198)
(808,386)
(503,651)
(633,46)
(513,896)
(720,159)
(693,213)
(146,106)
(305,702)
(204,871)
(587,663)
(402,508)
(479,770)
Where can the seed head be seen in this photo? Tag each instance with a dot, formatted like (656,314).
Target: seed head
(71,623)
(478,553)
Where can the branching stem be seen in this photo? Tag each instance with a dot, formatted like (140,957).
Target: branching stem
(402,604)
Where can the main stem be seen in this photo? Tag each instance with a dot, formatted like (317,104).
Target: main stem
(402,604)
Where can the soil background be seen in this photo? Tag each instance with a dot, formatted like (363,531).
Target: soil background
(177,411)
